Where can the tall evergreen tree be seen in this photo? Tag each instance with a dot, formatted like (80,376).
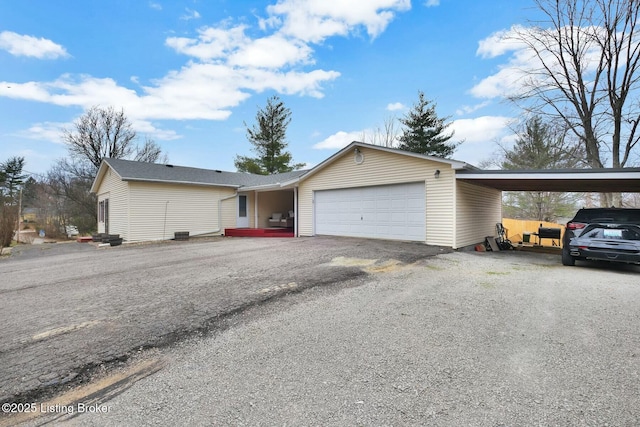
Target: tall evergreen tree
(424,132)
(11,176)
(11,180)
(269,139)
(541,146)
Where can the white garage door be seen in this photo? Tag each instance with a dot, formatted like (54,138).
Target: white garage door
(385,212)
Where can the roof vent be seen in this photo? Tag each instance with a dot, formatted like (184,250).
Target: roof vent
(169,166)
(218,171)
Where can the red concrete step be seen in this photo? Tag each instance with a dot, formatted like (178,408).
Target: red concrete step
(258,232)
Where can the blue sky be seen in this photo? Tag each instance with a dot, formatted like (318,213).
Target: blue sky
(188,74)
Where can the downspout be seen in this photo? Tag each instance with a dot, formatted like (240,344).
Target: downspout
(219,215)
(164,227)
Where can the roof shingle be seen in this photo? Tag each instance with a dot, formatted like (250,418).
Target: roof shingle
(154,172)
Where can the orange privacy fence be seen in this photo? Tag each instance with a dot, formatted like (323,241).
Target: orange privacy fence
(517,228)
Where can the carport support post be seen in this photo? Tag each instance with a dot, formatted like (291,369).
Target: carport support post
(295,211)
(255,209)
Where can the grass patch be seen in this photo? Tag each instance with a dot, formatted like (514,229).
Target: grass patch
(434,267)
(498,273)
(487,285)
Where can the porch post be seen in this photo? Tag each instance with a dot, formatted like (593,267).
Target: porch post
(255,209)
(295,211)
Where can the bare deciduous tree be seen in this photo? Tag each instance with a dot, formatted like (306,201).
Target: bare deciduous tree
(100,133)
(150,152)
(385,135)
(588,56)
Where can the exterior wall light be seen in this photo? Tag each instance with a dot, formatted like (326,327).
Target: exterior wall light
(436,174)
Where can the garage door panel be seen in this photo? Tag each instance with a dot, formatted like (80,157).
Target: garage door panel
(389,212)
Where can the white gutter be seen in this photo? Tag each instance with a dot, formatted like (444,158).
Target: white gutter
(538,176)
(165,181)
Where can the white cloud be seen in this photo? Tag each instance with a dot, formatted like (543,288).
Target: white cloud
(468,109)
(190,14)
(315,20)
(396,106)
(23,45)
(154,5)
(339,140)
(481,129)
(480,136)
(519,72)
(52,131)
(432,3)
(47,131)
(211,43)
(197,91)
(233,46)
(272,52)
(227,63)
(148,129)
(500,42)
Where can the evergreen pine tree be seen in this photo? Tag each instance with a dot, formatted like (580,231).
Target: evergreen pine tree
(269,139)
(424,132)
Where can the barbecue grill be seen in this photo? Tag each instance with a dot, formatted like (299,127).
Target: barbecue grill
(548,233)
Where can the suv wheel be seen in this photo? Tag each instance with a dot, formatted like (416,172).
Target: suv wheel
(567,259)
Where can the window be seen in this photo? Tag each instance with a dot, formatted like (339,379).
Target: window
(103,210)
(242,206)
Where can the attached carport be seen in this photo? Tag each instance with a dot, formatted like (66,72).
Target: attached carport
(563,180)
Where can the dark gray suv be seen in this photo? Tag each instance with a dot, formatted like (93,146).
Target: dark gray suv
(606,234)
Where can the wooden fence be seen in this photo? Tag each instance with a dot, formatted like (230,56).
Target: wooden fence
(517,228)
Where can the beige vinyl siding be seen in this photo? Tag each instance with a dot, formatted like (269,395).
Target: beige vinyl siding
(185,207)
(117,191)
(273,201)
(478,210)
(381,168)
(229,211)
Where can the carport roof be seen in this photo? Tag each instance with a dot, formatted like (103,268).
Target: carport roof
(560,180)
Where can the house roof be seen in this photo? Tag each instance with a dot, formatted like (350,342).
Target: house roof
(129,170)
(565,180)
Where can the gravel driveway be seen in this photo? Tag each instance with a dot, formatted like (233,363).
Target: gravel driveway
(460,339)
(463,338)
(70,310)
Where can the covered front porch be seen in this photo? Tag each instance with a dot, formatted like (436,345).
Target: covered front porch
(266,212)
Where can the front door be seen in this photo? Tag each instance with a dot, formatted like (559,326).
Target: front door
(243,214)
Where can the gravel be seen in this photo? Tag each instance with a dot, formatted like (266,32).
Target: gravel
(70,310)
(475,339)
